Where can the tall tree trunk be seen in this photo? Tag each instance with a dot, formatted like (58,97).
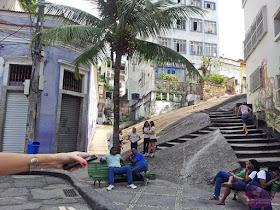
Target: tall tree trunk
(116,100)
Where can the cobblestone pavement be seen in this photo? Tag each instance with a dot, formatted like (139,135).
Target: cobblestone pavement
(37,192)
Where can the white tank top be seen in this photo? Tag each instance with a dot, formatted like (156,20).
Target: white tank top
(244,109)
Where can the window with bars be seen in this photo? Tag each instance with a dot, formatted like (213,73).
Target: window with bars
(196,3)
(180,46)
(165,42)
(19,73)
(255,80)
(180,24)
(70,83)
(196,48)
(256,32)
(278,90)
(209,5)
(196,25)
(210,27)
(210,49)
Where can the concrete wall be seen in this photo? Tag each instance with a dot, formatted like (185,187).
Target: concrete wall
(266,57)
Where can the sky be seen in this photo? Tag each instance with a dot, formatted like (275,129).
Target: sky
(231,24)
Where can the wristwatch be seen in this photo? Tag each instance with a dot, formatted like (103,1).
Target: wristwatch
(34,164)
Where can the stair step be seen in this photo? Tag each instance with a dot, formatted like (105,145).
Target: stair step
(178,140)
(242,136)
(264,162)
(258,154)
(191,136)
(250,131)
(202,132)
(234,127)
(222,115)
(223,124)
(256,147)
(225,117)
(251,141)
(184,139)
(215,120)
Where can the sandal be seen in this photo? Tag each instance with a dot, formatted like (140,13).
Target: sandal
(210,182)
(220,203)
(214,198)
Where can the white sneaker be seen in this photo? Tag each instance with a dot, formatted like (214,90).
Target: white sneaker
(110,187)
(152,155)
(132,186)
(146,181)
(146,155)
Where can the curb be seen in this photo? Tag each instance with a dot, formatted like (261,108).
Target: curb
(94,199)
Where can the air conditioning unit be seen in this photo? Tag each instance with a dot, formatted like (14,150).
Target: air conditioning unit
(135,96)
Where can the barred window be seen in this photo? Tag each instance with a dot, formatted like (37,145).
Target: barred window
(19,73)
(196,25)
(255,80)
(209,5)
(210,49)
(180,46)
(180,24)
(196,3)
(210,27)
(196,48)
(70,83)
(165,42)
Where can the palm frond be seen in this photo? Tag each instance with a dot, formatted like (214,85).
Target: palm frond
(69,15)
(149,51)
(80,34)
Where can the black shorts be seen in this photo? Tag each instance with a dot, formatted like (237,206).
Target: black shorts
(153,140)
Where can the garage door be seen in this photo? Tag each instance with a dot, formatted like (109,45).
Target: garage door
(15,123)
(69,123)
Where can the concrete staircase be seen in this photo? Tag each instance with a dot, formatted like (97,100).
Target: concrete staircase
(256,145)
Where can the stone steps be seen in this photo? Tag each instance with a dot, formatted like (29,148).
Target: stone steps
(222,115)
(258,154)
(251,141)
(225,117)
(263,161)
(222,120)
(233,127)
(226,124)
(241,131)
(256,146)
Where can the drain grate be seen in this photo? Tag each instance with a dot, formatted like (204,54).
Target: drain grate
(70,193)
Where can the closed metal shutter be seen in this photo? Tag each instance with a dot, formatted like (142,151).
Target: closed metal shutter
(69,124)
(15,123)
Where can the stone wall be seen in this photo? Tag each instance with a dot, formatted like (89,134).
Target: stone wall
(211,90)
(124,108)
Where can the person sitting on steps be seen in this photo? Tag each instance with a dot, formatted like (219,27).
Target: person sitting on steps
(114,161)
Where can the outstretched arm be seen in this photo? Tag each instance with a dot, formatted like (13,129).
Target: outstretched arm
(12,163)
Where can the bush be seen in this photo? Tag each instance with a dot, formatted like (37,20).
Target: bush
(215,78)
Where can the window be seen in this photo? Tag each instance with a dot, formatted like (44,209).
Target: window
(19,73)
(196,48)
(256,32)
(255,80)
(196,25)
(277,25)
(196,3)
(209,5)
(278,90)
(70,83)
(171,71)
(181,1)
(180,46)
(210,27)
(210,49)
(165,42)
(180,24)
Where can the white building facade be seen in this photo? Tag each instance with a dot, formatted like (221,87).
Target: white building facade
(262,56)
(193,38)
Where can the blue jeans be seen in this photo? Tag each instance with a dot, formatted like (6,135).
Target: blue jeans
(136,172)
(118,171)
(220,178)
(146,145)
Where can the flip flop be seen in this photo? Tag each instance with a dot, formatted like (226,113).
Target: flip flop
(209,182)
(214,198)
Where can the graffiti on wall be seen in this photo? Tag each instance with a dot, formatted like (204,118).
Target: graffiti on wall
(266,100)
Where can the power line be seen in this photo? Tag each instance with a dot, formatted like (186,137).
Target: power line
(14,32)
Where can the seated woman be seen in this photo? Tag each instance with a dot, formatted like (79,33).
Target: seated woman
(252,168)
(223,176)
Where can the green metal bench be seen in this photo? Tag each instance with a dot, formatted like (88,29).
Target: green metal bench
(99,172)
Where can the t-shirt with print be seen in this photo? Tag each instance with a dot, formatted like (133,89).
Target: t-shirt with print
(113,160)
(140,159)
(134,137)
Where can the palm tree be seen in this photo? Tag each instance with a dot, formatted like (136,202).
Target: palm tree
(122,28)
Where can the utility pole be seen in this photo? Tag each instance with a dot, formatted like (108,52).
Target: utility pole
(34,92)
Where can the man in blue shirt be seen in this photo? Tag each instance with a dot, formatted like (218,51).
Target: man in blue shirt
(114,167)
(140,165)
